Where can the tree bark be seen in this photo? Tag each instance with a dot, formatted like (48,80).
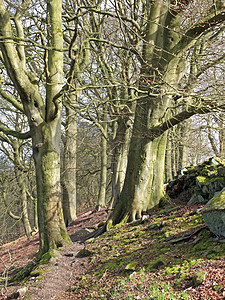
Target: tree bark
(143,186)
(44,118)
(168,160)
(69,165)
(101,202)
(120,156)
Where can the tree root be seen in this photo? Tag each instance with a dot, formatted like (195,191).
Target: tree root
(188,237)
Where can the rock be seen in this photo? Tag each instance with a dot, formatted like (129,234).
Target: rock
(22,291)
(198,278)
(205,189)
(198,183)
(221,171)
(193,200)
(214,214)
(84,253)
(200,199)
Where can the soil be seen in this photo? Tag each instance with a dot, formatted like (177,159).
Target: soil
(128,262)
(60,273)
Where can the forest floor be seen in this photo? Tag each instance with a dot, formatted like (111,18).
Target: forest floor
(168,255)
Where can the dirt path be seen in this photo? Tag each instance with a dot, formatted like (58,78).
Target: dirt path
(58,276)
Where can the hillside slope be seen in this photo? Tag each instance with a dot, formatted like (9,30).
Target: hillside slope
(169,255)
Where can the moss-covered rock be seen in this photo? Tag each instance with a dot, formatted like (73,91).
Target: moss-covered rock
(200,183)
(214,214)
(198,278)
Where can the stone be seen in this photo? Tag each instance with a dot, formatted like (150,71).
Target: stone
(214,214)
(198,278)
(22,291)
(205,189)
(200,199)
(200,181)
(193,200)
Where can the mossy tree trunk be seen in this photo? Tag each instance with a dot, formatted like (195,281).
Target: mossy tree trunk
(168,160)
(69,164)
(162,68)
(21,179)
(44,117)
(101,202)
(121,144)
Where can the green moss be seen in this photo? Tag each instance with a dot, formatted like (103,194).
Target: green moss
(37,273)
(148,247)
(23,273)
(219,199)
(206,180)
(198,278)
(84,253)
(182,270)
(109,225)
(45,258)
(157,263)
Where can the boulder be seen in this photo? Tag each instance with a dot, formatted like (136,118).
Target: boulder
(198,184)
(214,214)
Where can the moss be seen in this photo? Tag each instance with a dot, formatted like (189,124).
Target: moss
(46,257)
(84,253)
(131,266)
(217,200)
(182,270)
(37,273)
(23,273)
(109,225)
(206,180)
(198,278)
(157,263)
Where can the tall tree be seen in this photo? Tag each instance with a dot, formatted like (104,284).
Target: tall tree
(44,115)
(170,31)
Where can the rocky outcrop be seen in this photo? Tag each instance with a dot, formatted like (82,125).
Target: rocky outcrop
(214,214)
(198,184)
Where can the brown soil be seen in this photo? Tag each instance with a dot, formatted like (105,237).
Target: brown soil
(69,276)
(60,273)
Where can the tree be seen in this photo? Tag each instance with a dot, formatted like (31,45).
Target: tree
(170,32)
(44,115)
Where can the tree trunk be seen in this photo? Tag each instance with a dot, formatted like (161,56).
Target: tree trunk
(119,159)
(143,186)
(69,166)
(182,144)
(168,160)
(52,229)
(103,175)
(25,218)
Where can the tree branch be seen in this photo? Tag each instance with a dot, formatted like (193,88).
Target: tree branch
(156,131)
(19,135)
(211,20)
(11,100)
